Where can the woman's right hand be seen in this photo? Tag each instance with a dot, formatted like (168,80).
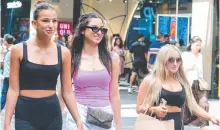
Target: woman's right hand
(80,126)
(160,111)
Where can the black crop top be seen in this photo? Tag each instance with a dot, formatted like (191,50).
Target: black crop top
(174,98)
(36,76)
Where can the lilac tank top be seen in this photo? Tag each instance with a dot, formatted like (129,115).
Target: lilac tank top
(92,87)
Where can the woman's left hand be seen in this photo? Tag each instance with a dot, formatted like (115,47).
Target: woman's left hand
(215,121)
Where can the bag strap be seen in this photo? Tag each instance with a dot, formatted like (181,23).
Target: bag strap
(146,105)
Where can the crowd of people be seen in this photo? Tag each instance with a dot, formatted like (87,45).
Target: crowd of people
(89,72)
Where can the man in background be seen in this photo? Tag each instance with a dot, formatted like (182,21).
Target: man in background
(138,49)
(153,50)
(166,39)
(56,40)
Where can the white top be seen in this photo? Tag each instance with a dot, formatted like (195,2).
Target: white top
(7,62)
(2,51)
(193,66)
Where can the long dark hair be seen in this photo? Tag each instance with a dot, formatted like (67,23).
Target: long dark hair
(192,41)
(78,42)
(121,42)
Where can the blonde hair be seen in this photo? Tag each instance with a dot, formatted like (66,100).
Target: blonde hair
(159,75)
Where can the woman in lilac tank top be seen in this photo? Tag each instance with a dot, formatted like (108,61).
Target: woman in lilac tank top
(95,73)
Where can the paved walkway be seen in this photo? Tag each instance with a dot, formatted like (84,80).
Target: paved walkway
(128,111)
(129,115)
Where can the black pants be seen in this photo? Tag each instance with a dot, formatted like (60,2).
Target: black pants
(38,113)
(178,124)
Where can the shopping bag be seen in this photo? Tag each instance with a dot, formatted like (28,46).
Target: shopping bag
(203,85)
(146,122)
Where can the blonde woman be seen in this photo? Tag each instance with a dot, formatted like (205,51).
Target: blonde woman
(168,81)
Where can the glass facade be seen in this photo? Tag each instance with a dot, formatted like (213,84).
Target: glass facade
(15,18)
(153,17)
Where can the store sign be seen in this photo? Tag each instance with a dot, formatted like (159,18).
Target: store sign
(64,27)
(14,4)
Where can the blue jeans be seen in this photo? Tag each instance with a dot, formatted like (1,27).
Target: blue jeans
(4,92)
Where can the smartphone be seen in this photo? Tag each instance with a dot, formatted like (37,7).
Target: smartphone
(163,102)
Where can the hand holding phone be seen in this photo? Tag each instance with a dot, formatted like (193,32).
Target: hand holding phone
(161,110)
(163,102)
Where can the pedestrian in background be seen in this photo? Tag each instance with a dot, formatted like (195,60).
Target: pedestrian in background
(2,54)
(118,48)
(138,52)
(56,39)
(68,40)
(35,66)
(193,65)
(153,50)
(112,40)
(167,81)
(95,74)
(8,43)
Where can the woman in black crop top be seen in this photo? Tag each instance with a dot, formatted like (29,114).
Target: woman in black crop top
(167,81)
(35,66)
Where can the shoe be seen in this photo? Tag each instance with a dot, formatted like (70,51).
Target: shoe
(135,90)
(129,90)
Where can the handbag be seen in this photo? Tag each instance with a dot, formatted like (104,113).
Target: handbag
(203,85)
(146,122)
(98,117)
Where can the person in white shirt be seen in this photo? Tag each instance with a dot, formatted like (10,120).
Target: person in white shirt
(193,65)
(8,42)
(2,53)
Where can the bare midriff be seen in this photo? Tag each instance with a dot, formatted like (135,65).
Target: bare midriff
(37,93)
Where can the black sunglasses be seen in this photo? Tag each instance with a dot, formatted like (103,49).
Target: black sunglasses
(172,60)
(96,29)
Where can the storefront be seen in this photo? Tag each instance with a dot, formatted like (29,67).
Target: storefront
(181,21)
(15,18)
(17,15)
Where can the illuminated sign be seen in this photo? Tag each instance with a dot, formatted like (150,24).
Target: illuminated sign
(64,27)
(14,4)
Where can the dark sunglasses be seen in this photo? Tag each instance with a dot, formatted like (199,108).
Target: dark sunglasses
(96,29)
(172,60)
